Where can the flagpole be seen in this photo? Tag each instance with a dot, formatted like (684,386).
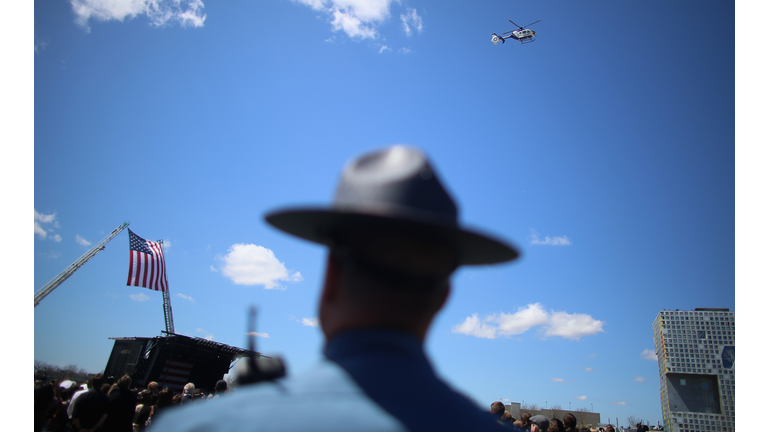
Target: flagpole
(167,311)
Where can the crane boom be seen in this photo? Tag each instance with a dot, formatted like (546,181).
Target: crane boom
(55,282)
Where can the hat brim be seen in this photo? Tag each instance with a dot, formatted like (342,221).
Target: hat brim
(320,226)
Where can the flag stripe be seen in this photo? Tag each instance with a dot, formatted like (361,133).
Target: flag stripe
(131,269)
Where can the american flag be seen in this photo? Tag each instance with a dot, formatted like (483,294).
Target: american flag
(147,265)
(175,373)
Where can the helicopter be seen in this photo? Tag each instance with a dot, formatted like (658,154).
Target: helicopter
(522,34)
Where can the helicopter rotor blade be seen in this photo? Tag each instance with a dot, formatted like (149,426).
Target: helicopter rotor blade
(514,23)
(508,32)
(532,23)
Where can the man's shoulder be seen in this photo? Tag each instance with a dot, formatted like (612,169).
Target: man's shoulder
(324,398)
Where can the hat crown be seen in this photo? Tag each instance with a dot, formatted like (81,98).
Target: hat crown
(395,181)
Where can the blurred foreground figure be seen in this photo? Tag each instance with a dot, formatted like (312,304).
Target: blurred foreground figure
(394,240)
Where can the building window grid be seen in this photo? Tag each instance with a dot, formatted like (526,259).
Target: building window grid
(711,344)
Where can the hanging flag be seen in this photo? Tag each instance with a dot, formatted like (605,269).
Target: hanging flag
(147,264)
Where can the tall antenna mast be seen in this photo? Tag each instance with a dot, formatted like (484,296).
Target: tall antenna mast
(167,311)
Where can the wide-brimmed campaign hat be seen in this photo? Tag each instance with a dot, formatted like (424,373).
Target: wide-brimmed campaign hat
(393,190)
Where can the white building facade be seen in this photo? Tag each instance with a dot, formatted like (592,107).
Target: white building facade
(696,354)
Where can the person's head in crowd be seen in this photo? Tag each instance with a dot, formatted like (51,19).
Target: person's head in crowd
(68,391)
(497,409)
(164,398)
(106,387)
(152,387)
(507,417)
(609,428)
(189,389)
(95,381)
(124,383)
(143,397)
(539,423)
(555,425)
(221,386)
(518,424)
(176,400)
(526,418)
(569,421)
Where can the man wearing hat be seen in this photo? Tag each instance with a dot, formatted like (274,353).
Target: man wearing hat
(394,240)
(539,423)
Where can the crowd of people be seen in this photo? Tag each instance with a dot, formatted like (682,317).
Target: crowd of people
(540,423)
(108,405)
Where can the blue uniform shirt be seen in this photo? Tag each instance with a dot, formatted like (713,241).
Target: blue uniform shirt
(372,380)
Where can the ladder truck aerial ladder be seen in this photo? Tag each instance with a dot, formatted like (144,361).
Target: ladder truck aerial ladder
(55,282)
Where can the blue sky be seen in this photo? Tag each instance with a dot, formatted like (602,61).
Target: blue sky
(604,150)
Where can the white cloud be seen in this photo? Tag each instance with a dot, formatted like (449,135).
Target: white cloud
(40,231)
(249,264)
(384,48)
(649,354)
(404,50)
(51,254)
(310,322)
(580,397)
(40,46)
(473,327)
(207,336)
(572,326)
(360,18)
(352,25)
(185,297)
(257,334)
(522,320)
(557,379)
(159,12)
(588,369)
(81,241)
(618,403)
(411,18)
(56,238)
(639,379)
(139,297)
(41,219)
(561,324)
(550,241)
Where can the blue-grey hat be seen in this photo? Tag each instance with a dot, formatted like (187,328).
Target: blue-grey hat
(394,189)
(540,421)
